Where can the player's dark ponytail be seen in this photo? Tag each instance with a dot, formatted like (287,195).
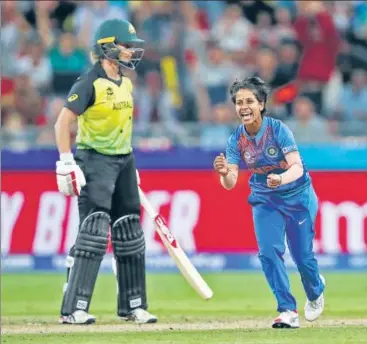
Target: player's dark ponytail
(258,86)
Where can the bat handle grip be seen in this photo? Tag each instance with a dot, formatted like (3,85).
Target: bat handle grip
(146,205)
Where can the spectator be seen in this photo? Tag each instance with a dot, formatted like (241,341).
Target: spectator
(141,12)
(160,27)
(351,112)
(67,56)
(58,11)
(232,31)
(215,74)
(284,29)
(252,8)
(286,74)
(359,19)
(264,35)
(156,105)
(293,45)
(319,40)
(290,5)
(14,30)
(306,125)
(345,60)
(94,13)
(16,135)
(214,135)
(353,98)
(194,44)
(288,61)
(36,64)
(28,102)
(267,68)
(356,36)
(342,14)
(213,10)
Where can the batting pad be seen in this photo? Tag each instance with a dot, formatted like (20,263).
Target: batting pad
(90,247)
(129,248)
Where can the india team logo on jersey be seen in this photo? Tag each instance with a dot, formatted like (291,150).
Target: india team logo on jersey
(272,151)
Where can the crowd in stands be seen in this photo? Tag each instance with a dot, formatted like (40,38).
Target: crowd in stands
(312,53)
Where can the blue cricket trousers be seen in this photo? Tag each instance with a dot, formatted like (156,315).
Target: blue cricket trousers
(276,217)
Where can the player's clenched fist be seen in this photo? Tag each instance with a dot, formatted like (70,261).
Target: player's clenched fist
(274,180)
(221,165)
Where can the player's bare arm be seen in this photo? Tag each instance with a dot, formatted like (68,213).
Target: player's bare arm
(294,172)
(228,172)
(63,130)
(69,176)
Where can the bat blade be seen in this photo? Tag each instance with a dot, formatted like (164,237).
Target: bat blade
(174,249)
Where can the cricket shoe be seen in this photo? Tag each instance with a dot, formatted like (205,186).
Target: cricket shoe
(313,309)
(287,319)
(140,316)
(79,317)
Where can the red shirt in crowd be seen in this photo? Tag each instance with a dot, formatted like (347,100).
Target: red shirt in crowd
(320,40)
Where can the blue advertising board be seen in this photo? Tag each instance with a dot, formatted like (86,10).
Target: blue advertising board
(338,157)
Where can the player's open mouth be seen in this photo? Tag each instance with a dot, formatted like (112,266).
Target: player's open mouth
(246,115)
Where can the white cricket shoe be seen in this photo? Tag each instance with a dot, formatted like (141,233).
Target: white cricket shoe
(140,316)
(313,309)
(79,317)
(287,319)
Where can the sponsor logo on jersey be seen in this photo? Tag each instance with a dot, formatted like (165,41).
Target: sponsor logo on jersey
(73,97)
(288,149)
(249,158)
(122,105)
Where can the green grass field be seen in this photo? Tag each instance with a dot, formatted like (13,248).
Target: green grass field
(241,311)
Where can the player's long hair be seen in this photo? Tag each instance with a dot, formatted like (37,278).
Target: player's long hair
(257,85)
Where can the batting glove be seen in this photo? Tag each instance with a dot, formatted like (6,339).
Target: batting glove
(70,178)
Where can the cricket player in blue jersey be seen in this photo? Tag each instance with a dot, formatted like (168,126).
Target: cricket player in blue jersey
(284,203)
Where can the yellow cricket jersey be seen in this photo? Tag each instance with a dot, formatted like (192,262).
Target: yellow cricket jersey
(105,112)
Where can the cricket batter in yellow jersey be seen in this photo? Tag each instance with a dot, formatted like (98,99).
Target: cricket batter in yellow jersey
(103,176)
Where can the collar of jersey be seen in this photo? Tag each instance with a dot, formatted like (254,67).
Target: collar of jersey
(259,135)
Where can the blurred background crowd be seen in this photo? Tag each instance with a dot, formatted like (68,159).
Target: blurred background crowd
(312,53)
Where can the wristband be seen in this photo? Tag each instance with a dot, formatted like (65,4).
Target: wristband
(67,157)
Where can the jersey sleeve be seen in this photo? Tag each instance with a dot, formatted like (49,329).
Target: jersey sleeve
(233,155)
(286,140)
(81,96)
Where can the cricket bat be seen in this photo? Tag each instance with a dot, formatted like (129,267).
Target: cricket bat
(183,263)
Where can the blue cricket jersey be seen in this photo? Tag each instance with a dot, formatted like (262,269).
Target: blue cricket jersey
(264,154)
